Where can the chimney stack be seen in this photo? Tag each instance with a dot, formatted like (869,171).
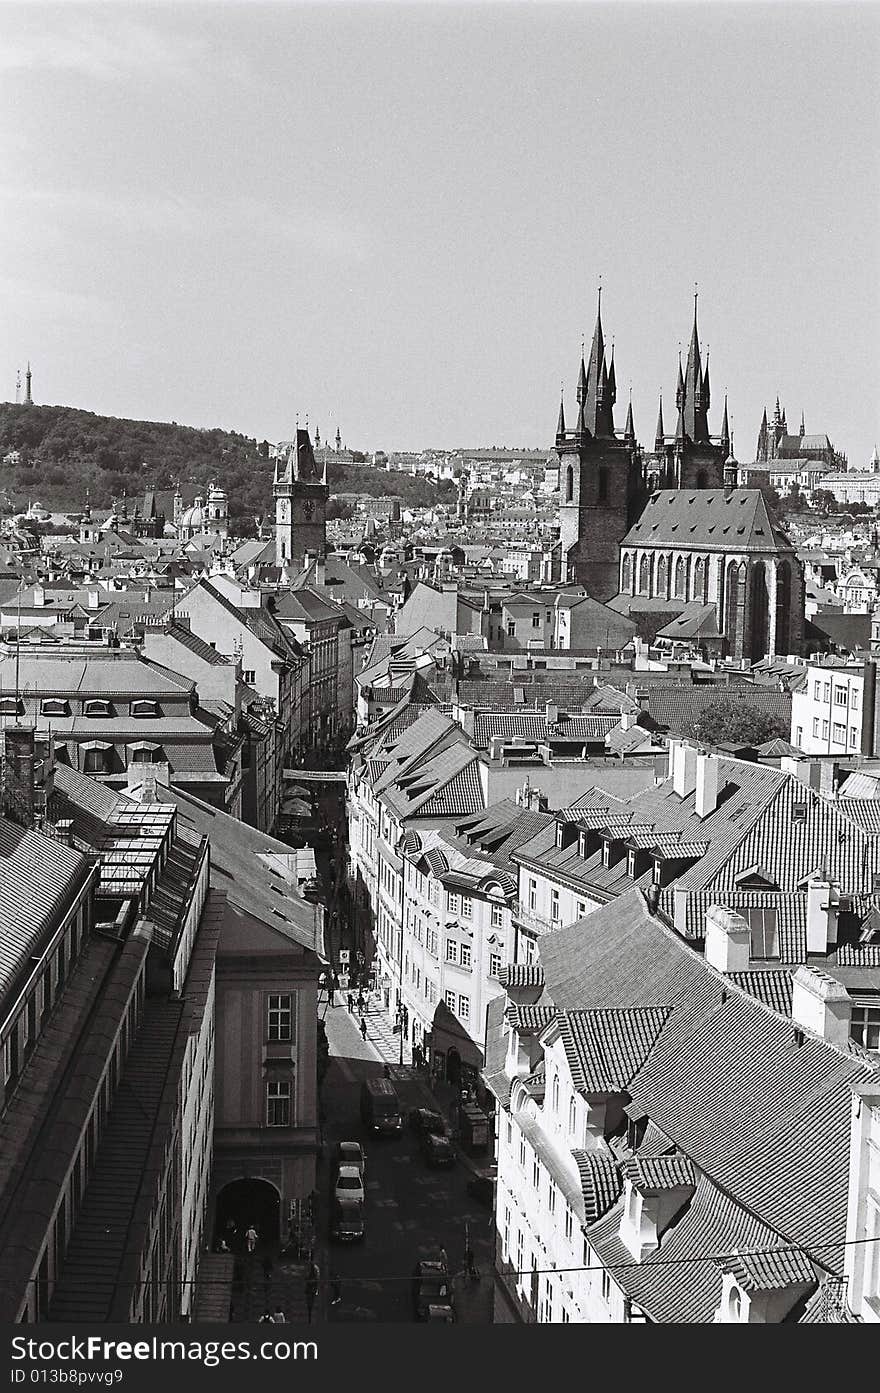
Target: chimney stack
(551,713)
(822,1005)
(708,780)
(728,940)
(684,770)
(823,901)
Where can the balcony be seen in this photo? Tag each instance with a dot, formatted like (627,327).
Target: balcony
(533,923)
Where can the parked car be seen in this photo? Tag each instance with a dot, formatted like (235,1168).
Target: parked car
(482,1189)
(440,1313)
(347,1221)
(349,1184)
(437,1151)
(431,1287)
(423,1120)
(349,1153)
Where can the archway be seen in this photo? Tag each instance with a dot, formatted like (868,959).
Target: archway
(245,1202)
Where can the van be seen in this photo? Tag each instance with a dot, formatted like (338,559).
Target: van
(380,1106)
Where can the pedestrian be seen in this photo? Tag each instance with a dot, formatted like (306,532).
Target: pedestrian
(444,1260)
(251,1238)
(266,1319)
(470,1264)
(278,1316)
(363,1027)
(361,1002)
(351,1003)
(335,1289)
(312,1287)
(386,1071)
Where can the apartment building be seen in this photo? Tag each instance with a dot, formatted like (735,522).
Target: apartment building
(834,713)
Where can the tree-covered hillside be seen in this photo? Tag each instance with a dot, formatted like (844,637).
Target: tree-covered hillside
(66,452)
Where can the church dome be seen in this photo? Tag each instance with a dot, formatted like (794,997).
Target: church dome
(193,518)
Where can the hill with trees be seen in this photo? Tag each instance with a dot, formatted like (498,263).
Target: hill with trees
(66,453)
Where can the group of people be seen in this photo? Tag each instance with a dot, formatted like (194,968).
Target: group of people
(227,1242)
(361,1005)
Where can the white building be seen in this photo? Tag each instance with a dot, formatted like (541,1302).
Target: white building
(833,713)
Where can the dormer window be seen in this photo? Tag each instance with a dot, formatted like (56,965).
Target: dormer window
(606,854)
(145,708)
(97,707)
(55,706)
(11,706)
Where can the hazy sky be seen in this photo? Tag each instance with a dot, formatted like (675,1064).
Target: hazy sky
(395,218)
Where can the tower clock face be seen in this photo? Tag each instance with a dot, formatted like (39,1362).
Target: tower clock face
(283,510)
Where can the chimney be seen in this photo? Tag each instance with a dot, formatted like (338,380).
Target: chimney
(828,779)
(627,720)
(670,750)
(320,571)
(39,595)
(684,770)
(822,1005)
(823,901)
(708,781)
(94,599)
(551,713)
(728,940)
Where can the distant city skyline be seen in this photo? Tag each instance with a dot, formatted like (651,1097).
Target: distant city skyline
(394,220)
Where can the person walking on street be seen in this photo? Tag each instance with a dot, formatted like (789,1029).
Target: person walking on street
(363,1027)
(470,1264)
(251,1238)
(443,1257)
(361,1002)
(351,1003)
(312,1287)
(278,1316)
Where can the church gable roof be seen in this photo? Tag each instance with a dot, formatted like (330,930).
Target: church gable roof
(708,519)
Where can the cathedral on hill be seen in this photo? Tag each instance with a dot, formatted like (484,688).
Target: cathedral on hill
(664,536)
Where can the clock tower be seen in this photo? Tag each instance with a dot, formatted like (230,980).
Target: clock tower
(301,494)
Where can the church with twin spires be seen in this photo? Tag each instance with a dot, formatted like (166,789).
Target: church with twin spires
(664,536)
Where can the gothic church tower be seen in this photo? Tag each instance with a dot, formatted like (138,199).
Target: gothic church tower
(301,495)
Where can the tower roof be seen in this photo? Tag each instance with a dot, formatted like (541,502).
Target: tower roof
(598,416)
(695,423)
(629,433)
(560,424)
(659,433)
(298,464)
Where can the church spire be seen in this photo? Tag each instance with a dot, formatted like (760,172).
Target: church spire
(612,380)
(705,395)
(582,379)
(695,423)
(801,431)
(725,431)
(629,433)
(560,424)
(680,432)
(659,434)
(597,403)
(763,436)
(679,390)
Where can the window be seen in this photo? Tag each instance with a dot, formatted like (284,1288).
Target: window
(533,893)
(816,727)
(511,628)
(55,706)
(824,730)
(465,955)
(631,863)
(554,905)
(279,1013)
(551,1197)
(11,706)
(764,936)
(817,691)
(451,950)
(853,738)
(799,812)
(826,691)
(569,1222)
(452,903)
(497,916)
(508,1130)
(248,675)
(572,1114)
(581,908)
(506,1246)
(467,906)
(840,696)
(449,998)
(606,854)
(606,1288)
(496,962)
(839,734)
(96,708)
(464,1008)
(536,1173)
(278,1104)
(854,698)
(554,1093)
(95,761)
(145,708)
(865,1028)
(143,754)
(536,621)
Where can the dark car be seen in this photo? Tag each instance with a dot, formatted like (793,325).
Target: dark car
(437,1151)
(482,1189)
(346,1221)
(431,1290)
(425,1120)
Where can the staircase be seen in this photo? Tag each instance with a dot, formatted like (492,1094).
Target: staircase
(214,1292)
(87,1286)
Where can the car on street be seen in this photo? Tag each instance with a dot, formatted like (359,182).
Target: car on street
(349,1153)
(482,1189)
(437,1150)
(347,1221)
(349,1184)
(431,1287)
(440,1314)
(423,1120)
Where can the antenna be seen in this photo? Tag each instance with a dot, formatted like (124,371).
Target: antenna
(17,653)
(18,386)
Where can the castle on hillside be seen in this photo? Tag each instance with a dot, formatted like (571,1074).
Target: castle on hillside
(775,443)
(664,536)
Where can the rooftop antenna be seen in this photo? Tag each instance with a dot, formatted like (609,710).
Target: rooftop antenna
(18,386)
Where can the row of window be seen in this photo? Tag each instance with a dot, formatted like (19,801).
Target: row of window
(838,733)
(822,692)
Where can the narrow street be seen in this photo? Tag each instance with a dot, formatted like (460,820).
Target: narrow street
(411,1209)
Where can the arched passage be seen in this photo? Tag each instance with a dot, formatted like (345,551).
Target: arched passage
(245,1202)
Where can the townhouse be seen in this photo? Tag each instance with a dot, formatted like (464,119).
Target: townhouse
(835,710)
(671,1149)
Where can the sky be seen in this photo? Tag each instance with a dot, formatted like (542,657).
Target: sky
(394,219)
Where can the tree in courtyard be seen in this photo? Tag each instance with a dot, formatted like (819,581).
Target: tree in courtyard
(736,723)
